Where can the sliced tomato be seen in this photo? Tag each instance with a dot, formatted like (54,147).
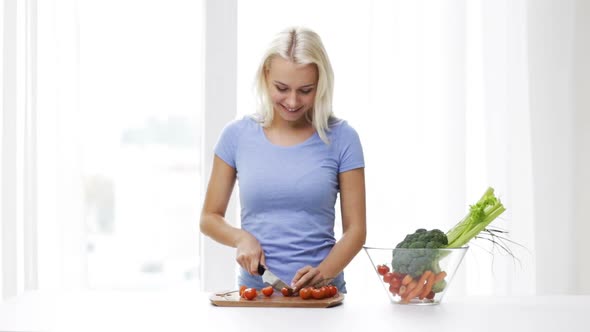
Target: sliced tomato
(267,291)
(242,289)
(286,291)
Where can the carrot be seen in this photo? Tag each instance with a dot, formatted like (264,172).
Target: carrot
(424,276)
(406,280)
(428,286)
(402,289)
(417,289)
(413,293)
(409,287)
(440,276)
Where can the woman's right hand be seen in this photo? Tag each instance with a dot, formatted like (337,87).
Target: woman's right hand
(249,253)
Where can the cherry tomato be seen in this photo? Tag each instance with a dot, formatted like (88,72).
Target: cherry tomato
(332,290)
(398,275)
(242,289)
(387,277)
(382,269)
(267,291)
(250,293)
(393,289)
(286,291)
(305,293)
(395,282)
(318,293)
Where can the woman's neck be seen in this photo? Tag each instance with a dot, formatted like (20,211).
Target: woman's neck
(286,133)
(280,123)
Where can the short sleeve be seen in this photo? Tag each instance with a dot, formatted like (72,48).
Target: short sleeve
(351,150)
(227,144)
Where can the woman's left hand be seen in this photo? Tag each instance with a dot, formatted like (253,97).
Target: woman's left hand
(307,276)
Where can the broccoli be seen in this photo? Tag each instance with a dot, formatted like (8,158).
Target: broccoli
(422,238)
(415,262)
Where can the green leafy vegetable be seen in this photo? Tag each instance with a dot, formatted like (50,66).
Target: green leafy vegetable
(415,261)
(422,238)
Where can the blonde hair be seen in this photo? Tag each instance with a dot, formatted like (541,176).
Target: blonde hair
(301,46)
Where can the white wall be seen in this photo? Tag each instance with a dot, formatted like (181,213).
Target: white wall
(556,132)
(581,103)
(220,108)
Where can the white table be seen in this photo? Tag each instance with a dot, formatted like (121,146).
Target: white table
(184,310)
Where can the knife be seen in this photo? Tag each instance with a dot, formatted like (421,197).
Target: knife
(271,279)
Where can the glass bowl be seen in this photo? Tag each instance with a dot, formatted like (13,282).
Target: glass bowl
(415,276)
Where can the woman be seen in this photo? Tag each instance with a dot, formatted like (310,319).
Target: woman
(290,159)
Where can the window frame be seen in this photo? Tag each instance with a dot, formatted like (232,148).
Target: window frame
(220,108)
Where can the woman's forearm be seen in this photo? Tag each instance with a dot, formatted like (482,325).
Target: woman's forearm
(216,227)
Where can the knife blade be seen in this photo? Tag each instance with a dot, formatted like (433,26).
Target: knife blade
(272,280)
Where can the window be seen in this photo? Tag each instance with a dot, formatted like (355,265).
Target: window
(140,97)
(120,155)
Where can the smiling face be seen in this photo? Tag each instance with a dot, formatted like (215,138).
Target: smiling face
(292,88)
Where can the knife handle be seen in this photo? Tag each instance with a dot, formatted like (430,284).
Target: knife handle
(261,269)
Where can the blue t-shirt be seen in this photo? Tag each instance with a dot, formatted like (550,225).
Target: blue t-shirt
(287,194)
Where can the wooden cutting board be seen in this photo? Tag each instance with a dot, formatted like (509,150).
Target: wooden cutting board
(232,299)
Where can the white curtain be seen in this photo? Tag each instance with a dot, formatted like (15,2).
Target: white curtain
(26,82)
(450,97)
(445,119)
(61,242)
(42,51)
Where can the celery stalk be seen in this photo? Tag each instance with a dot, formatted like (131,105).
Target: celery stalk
(477,219)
